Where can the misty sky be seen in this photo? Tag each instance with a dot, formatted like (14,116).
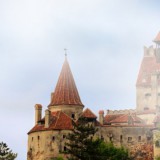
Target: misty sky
(104,38)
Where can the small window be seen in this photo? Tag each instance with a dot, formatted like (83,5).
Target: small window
(73,115)
(65,149)
(139,138)
(53,138)
(111,139)
(38,137)
(147,95)
(32,139)
(146,108)
(121,138)
(64,136)
(157,143)
(129,139)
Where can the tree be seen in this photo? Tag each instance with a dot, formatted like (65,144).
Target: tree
(6,153)
(80,140)
(81,146)
(107,151)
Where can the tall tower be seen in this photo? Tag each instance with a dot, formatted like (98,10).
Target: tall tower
(66,97)
(148,81)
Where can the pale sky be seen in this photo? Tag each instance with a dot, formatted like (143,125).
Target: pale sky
(104,38)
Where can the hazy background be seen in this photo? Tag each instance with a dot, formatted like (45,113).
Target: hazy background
(105,40)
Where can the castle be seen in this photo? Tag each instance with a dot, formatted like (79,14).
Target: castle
(134,129)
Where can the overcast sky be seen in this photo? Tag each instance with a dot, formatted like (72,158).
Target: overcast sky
(104,38)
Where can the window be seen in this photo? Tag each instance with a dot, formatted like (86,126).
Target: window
(111,139)
(147,95)
(53,138)
(73,115)
(38,137)
(32,139)
(146,108)
(139,138)
(121,138)
(64,136)
(157,143)
(129,139)
(65,149)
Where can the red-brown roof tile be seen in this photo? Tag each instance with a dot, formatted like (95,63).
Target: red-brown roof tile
(66,92)
(88,113)
(108,118)
(58,121)
(122,118)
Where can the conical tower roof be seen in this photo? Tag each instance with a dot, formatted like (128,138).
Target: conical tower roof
(66,92)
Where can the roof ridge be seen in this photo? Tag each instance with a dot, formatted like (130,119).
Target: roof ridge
(57,118)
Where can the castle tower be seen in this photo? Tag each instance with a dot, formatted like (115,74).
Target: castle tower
(66,97)
(148,82)
(46,139)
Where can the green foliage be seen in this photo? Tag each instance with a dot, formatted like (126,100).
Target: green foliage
(107,151)
(58,158)
(82,147)
(80,140)
(6,153)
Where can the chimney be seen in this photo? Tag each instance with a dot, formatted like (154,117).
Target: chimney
(38,113)
(47,118)
(101,117)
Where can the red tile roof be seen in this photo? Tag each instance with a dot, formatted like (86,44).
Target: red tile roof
(122,118)
(88,113)
(149,65)
(66,92)
(108,118)
(58,121)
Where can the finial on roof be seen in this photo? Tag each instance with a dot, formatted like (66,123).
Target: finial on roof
(65,49)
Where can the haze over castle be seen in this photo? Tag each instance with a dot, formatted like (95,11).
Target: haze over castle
(133,129)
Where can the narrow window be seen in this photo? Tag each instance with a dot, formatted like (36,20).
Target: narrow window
(32,139)
(121,138)
(64,136)
(73,115)
(129,139)
(38,137)
(111,139)
(65,149)
(139,138)
(53,138)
